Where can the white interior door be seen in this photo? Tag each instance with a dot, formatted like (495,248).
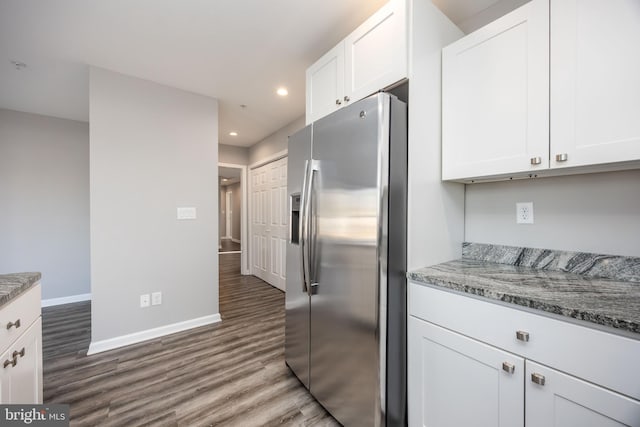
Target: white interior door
(229,199)
(269,222)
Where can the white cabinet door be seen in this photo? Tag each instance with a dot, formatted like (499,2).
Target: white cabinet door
(495,97)
(376,52)
(456,381)
(21,382)
(595,81)
(566,401)
(325,84)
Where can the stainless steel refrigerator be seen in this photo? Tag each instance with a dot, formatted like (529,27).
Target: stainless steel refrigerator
(346,261)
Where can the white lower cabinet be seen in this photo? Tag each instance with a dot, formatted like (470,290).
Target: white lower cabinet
(476,363)
(563,400)
(457,381)
(21,368)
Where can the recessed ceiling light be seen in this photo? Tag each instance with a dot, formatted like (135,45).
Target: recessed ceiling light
(233,133)
(282,91)
(225,179)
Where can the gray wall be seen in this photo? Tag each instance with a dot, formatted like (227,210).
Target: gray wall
(274,143)
(436,209)
(592,213)
(232,154)
(153,148)
(44,201)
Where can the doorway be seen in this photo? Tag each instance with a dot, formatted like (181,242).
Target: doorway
(232,202)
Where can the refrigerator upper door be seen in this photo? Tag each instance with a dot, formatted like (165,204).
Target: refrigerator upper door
(350,148)
(296,297)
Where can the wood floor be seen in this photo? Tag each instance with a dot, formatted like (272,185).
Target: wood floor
(228,245)
(228,374)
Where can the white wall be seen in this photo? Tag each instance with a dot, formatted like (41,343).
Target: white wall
(232,154)
(274,143)
(153,148)
(436,209)
(597,213)
(44,201)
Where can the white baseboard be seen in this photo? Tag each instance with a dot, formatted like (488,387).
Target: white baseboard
(65,300)
(136,337)
(235,240)
(226,238)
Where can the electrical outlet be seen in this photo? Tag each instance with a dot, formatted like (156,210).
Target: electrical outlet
(144,300)
(156,298)
(524,213)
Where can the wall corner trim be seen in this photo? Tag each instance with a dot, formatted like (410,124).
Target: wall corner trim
(65,300)
(136,337)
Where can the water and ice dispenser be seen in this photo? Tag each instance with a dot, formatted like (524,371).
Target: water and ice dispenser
(294,223)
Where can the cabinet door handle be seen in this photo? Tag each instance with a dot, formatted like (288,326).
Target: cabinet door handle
(18,353)
(508,367)
(338,102)
(522,336)
(12,324)
(561,157)
(536,160)
(346,98)
(8,362)
(537,378)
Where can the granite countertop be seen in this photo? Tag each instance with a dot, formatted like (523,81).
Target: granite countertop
(13,285)
(601,289)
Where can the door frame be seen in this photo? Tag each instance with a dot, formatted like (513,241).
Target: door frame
(269,159)
(244,249)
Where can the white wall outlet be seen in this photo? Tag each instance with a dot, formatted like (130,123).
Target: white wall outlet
(186,213)
(144,300)
(524,213)
(156,298)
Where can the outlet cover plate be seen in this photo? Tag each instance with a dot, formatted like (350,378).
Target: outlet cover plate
(156,298)
(524,213)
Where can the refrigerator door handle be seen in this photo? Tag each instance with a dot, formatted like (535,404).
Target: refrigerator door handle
(309,227)
(303,226)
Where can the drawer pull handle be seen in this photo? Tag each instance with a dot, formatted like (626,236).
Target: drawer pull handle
(537,378)
(12,324)
(18,353)
(338,102)
(522,336)
(346,99)
(536,160)
(508,367)
(12,362)
(562,157)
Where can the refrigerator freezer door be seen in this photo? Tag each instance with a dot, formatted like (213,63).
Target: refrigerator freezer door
(296,297)
(350,148)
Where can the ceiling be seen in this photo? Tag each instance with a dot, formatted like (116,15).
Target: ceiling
(238,51)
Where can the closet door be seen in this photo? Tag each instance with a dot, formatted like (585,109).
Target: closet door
(269,219)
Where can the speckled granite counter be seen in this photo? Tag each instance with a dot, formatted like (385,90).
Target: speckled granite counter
(596,288)
(12,285)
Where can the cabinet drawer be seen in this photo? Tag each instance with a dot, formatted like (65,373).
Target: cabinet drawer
(600,357)
(26,309)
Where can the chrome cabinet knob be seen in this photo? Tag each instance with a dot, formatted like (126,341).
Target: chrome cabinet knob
(522,336)
(537,378)
(508,367)
(561,157)
(338,102)
(536,160)
(346,98)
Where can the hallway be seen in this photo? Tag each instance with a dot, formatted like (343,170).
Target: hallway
(227,374)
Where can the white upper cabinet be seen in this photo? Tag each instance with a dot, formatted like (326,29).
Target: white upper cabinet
(325,84)
(376,52)
(371,58)
(495,102)
(595,81)
(549,86)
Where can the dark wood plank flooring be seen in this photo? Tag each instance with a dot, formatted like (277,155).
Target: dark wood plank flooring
(228,245)
(228,374)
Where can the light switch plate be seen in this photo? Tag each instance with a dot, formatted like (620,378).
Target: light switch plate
(156,298)
(144,300)
(187,213)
